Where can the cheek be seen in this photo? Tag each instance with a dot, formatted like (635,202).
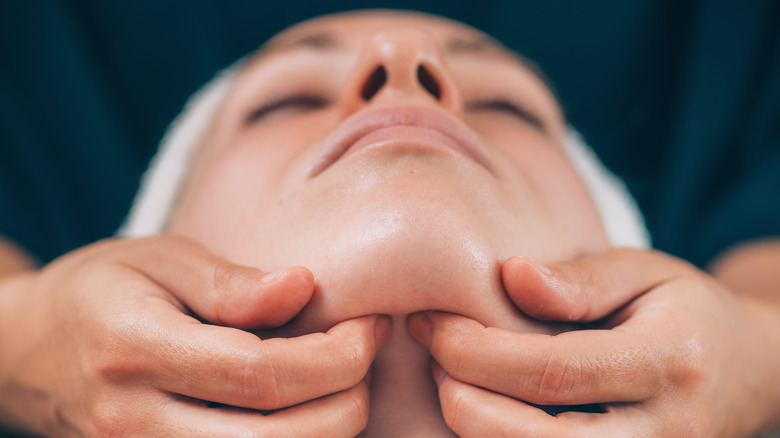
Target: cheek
(234,186)
(564,195)
(532,160)
(273,152)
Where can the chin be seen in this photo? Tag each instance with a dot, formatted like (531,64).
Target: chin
(395,246)
(398,251)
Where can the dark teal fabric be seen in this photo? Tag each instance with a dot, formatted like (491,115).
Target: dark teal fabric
(680,98)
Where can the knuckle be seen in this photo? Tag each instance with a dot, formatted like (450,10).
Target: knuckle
(573,297)
(689,364)
(259,382)
(579,304)
(357,411)
(455,403)
(359,355)
(223,281)
(459,361)
(559,376)
(225,275)
(114,356)
(450,351)
(109,364)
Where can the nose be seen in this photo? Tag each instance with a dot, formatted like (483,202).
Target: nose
(402,66)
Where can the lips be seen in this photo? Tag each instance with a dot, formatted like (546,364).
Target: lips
(380,124)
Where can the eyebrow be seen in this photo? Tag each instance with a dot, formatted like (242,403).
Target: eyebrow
(327,41)
(320,41)
(481,43)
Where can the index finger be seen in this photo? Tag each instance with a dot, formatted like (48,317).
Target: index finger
(579,367)
(237,368)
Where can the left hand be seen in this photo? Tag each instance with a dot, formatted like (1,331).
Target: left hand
(675,353)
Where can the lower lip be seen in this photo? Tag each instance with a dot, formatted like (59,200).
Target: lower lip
(406,139)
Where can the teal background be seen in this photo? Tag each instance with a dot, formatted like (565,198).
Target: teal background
(680,98)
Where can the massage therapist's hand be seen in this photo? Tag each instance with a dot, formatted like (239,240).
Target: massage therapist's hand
(672,353)
(105,342)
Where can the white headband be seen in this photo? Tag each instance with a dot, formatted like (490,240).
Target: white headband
(168,169)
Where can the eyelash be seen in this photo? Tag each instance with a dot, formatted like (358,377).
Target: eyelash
(312,101)
(305,101)
(508,107)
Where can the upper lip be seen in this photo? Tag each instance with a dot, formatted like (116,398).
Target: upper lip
(367,121)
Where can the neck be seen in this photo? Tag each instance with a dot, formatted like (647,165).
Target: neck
(404,397)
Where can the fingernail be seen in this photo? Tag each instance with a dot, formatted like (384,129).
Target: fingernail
(420,328)
(438,372)
(382,328)
(272,276)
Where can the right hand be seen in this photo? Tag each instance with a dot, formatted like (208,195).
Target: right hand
(108,340)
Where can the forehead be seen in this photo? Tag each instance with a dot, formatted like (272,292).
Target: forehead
(339,38)
(351,29)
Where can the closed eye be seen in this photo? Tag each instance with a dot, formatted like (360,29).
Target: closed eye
(509,108)
(295,102)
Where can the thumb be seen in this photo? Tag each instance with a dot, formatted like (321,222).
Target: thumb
(588,288)
(217,290)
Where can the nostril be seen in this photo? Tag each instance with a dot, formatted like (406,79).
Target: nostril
(428,82)
(374,83)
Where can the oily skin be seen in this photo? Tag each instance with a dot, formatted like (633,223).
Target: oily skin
(57,378)
(394,229)
(387,201)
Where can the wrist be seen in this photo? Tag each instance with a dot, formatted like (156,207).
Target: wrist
(13,340)
(12,288)
(760,364)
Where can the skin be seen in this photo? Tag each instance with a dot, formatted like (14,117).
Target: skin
(669,357)
(13,259)
(669,303)
(105,342)
(672,343)
(399,226)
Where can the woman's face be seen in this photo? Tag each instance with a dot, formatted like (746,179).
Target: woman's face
(401,158)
